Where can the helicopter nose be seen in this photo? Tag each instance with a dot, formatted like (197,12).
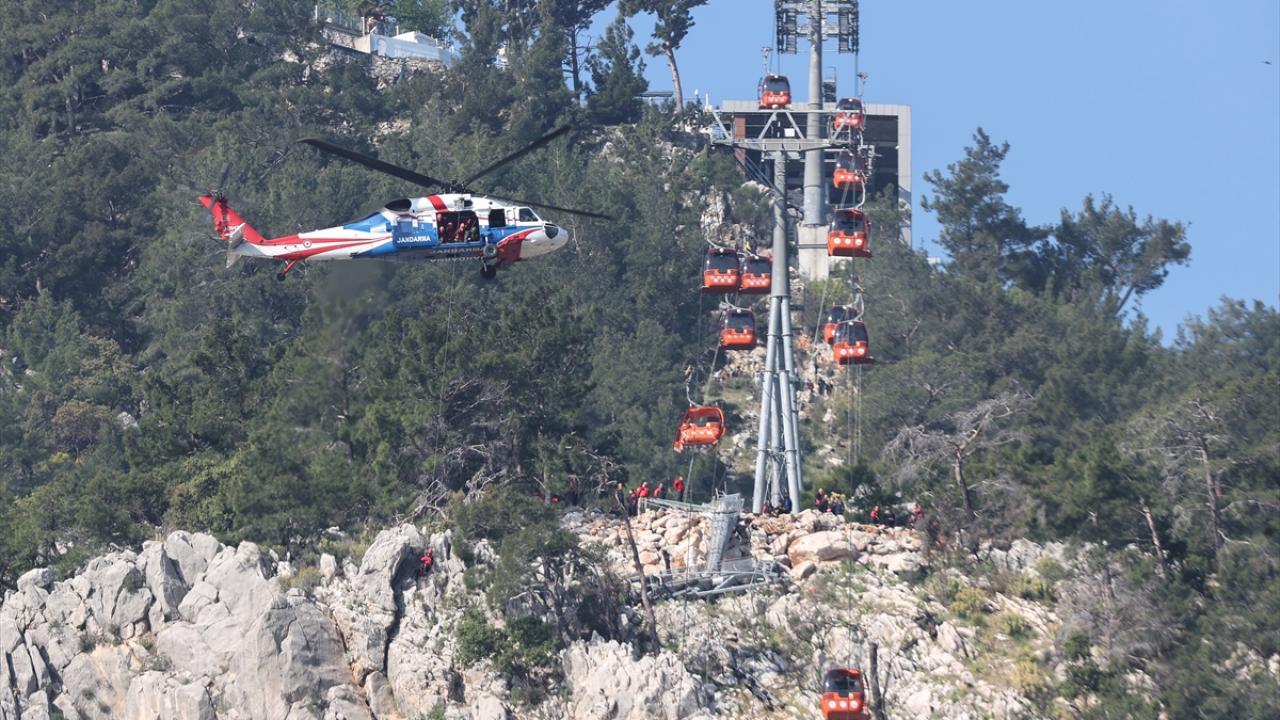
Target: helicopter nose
(547,239)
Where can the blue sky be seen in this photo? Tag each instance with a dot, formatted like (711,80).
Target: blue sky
(1168,106)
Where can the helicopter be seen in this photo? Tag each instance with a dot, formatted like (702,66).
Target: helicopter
(456,224)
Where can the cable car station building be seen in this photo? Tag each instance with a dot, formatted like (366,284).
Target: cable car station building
(888,130)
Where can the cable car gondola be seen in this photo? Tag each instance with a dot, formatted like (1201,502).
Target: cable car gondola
(849,234)
(720,272)
(849,115)
(843,695)
(701,426)
(850,172)
(757,275)
(836,315)
(738,331)
(775,92)
(850,344)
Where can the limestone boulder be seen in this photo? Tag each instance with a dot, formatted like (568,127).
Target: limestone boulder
(366,604)
(165,583)
(343,702)
(382,700)
(155,696)
(328,567)
(96,684)
(191,553)
(803,570)
(118,598)
(606,682)
(241,576)
(823,546)
(39,578)
(290,653)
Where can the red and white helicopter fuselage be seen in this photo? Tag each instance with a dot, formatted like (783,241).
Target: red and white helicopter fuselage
(448,226)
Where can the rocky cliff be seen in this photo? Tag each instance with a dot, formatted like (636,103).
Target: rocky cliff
(188,629)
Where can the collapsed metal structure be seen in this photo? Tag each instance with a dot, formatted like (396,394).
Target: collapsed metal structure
(716,576)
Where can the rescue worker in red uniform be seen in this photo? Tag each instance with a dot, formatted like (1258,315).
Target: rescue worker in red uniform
(678,487)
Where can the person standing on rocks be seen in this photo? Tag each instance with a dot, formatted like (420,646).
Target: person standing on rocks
(678,487)
(427,561)
(820,500)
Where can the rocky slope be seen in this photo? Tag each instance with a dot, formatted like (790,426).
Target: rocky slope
(189,628)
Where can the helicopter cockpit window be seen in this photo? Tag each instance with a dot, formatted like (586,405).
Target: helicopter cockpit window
(527,215)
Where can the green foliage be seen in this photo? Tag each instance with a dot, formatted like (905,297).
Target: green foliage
(1010,623)
(306,579)
(525,645)
(1032,588)
(969,603)
(618,75)
(477,639)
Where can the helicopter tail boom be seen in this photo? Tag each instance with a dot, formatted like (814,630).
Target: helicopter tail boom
(228,224)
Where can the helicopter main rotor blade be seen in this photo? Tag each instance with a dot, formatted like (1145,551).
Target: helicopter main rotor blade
(519,154)
(373,163)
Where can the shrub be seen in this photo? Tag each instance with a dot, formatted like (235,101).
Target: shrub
(1050,570)
(1077,645)
(1012,624)
(477,639)
(1032,588)
(969,603)
(133,581)
(1028,678)
(306,579)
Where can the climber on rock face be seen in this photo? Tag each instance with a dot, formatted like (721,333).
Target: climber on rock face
(426,562)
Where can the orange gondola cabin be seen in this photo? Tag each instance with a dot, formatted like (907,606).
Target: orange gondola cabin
(836,315)
(757,275)
(850,172)
(775,92)
(849,234)
(701,426)
(738,331)
(843,695)
(849,116)
(850,344)
(720,272)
